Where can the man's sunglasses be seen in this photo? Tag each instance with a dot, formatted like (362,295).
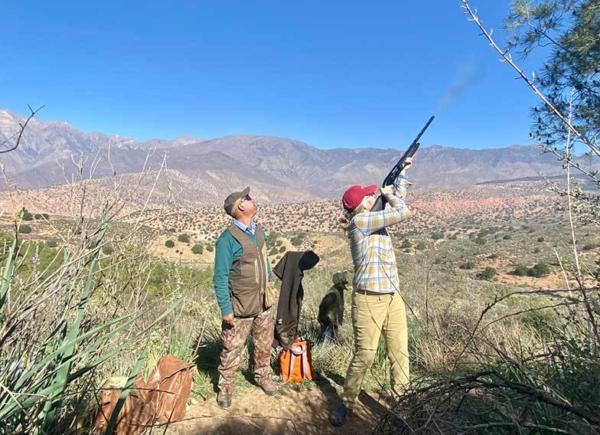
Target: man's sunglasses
(247,197)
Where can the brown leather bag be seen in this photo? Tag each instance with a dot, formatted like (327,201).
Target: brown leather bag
(169,387)
(136,413)
(295,363)
(161,400)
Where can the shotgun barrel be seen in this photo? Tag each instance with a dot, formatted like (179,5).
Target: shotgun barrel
(400,165)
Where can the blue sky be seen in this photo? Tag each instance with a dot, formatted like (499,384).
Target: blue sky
(330,73)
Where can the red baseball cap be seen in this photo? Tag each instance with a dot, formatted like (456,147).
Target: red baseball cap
(354,195)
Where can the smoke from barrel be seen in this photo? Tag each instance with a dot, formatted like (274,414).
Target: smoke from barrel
(469,77)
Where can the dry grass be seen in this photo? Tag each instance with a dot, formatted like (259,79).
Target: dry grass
(448,336)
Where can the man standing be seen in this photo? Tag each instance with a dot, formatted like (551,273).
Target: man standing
(377,306)
(241,281)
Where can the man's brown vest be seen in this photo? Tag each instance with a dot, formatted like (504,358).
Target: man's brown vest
(248,274)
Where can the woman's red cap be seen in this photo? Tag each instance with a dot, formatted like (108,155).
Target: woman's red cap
(354,195)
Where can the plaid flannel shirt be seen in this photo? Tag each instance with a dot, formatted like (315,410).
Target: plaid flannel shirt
(373,255)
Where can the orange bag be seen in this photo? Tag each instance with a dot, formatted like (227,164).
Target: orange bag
(295,363)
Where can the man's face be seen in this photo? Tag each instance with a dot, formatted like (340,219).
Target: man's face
(247,207)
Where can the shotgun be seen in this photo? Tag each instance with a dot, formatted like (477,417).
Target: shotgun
(400,165)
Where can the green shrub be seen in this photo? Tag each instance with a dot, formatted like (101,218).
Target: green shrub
(183,238)
(421,245)
(197,249)
(107,249)
(169,243)
(537,250)
(209,248)
(507,237)
(521,270)
(540,239)
(297,240)
(406,244)
(589,247)
(51,243)
(487,273)
(24,229)
(539,270)
(282,249)
(26,216)
(480,241)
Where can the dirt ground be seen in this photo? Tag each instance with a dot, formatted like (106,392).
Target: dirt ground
(291,411)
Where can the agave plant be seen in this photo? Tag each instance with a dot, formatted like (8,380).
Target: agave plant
(52,340)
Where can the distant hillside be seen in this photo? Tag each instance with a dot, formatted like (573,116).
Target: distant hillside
(53,153)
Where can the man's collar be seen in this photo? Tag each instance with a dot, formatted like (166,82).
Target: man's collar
(246,228)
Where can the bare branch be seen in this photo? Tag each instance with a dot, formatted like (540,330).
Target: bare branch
(22,127)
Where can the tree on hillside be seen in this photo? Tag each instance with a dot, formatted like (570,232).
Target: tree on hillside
(539,270)
(487,273)
(24,229)
(570,79)
(183,238)
(567,118)
(26,215)
(570,29)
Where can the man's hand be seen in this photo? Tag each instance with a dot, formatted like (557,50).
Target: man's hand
(228,320)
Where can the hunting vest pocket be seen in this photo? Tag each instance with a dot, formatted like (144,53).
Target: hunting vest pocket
(246,303)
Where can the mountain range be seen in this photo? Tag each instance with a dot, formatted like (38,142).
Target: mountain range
(279,169)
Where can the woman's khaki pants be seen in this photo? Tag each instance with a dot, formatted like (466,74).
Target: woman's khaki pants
(372,316)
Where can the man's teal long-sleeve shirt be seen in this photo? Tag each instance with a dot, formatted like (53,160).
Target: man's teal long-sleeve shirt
(227,250)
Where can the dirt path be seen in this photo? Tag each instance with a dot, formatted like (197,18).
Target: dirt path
(292,411)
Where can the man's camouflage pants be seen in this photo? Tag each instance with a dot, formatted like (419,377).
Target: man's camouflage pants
(234,338)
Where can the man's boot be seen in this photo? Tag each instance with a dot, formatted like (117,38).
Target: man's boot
(268,386)
(339,415)
(224,398)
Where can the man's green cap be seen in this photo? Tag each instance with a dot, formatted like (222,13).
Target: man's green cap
(231,201)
